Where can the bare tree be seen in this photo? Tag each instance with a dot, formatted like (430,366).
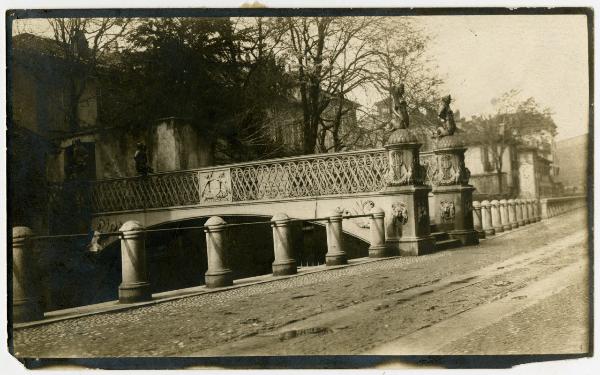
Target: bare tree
(401,56)
(328,56)
(83,43)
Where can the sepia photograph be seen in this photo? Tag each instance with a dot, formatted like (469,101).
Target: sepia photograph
(299,188)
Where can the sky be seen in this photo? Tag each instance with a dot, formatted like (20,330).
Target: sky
(543,56)
(482,57)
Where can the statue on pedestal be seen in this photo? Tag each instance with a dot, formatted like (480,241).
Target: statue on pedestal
(400,118)
(448,125)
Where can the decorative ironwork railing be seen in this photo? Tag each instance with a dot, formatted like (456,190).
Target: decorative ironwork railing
(308,177)
(296,177)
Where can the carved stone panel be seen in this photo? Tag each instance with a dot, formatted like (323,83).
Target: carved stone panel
(215,186)
(400,212)
(447,211)
(404,167)
(450,169)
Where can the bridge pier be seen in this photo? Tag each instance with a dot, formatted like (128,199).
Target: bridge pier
(408,225)
(26,304)
(284,263)
(377,249)
(134,286)
(452,193)
(218,273)
(336,251)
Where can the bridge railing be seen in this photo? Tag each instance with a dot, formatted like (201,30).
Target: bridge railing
(294,177)
(551,207)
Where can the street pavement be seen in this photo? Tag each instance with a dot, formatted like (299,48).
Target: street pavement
(364,308)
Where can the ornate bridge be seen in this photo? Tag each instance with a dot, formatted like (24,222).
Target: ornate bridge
(303,187)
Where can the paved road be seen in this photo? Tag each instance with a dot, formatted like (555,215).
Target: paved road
(352,310)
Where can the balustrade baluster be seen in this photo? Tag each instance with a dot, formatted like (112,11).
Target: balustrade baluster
(495,210)
(486,217)
(504,221)
(477,219)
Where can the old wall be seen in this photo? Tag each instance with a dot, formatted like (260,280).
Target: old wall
(528,186)
(175,144)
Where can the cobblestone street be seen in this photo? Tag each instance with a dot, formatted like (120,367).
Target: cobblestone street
(356,309)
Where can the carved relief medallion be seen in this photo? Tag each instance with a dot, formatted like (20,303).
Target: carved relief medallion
(215,186)
(447,211)
(400,212)
(399,172)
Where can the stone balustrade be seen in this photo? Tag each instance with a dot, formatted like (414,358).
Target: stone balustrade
(505,215)
(550,207)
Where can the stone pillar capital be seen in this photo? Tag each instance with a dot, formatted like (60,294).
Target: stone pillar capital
(214,224)
(280,219)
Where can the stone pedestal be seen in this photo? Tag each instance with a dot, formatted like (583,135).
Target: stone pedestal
(406,202)
(452,193)
(134,286)
(284,263)
(377,249)
(218,273)
(336,251)
(26,304)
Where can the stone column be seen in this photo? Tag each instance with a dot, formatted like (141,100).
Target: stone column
(26,303)
(452,193)
(519,210)
(496,223)
(512,214)
(486,218)
(336,251)
(134,286)
(406,198)
(284,263)
(377,249)
(477,220)
(504,215)
(218,273)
